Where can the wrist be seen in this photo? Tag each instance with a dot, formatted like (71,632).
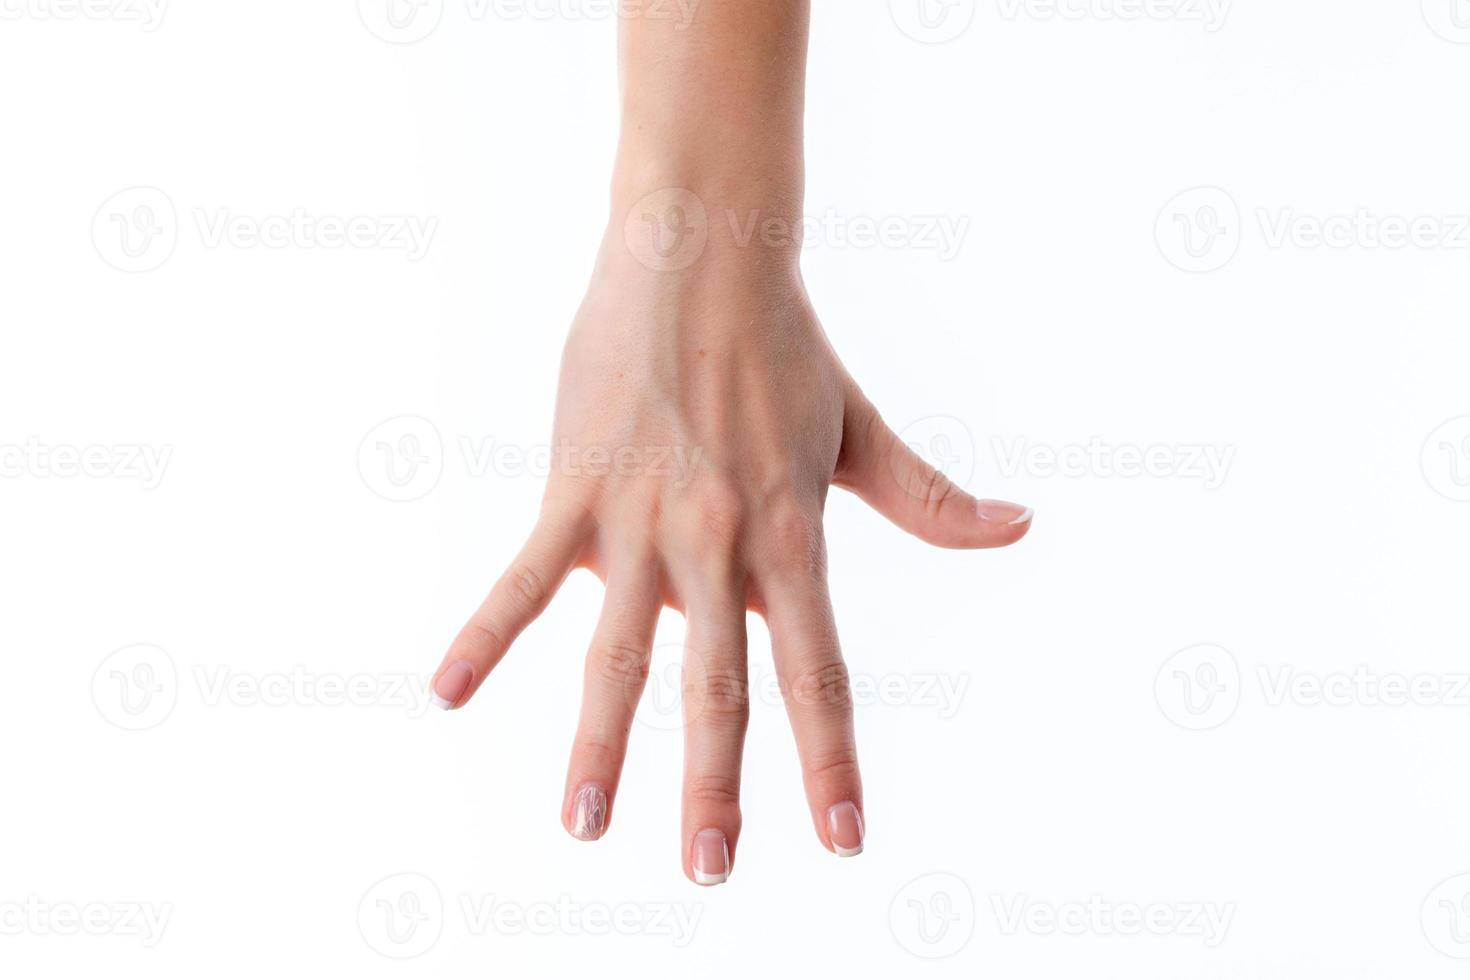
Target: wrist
(672,207)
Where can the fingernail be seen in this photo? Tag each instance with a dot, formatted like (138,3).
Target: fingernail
(1001,512)
(451,685)
(845,826)
(711,858)
(589,812)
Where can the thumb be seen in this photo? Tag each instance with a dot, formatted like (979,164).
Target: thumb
(876,465)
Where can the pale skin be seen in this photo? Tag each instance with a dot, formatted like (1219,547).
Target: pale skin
(697,338)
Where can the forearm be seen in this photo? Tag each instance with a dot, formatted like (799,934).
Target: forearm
(715,106)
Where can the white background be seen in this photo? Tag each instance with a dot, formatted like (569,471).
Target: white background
(260,816)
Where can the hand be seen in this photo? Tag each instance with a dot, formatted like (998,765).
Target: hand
(701,417)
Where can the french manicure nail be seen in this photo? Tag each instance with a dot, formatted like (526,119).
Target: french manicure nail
(1002,512)
(711,858)
(589,812)
(845,827)
(451,685)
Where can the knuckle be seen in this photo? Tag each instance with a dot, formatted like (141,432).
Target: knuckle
(796,542)
(598,750)
(932,488)
(713,521)
(721,693)
(824,685)
(525,586)
(480,632)
(712,790)
(622,664)
(841,768)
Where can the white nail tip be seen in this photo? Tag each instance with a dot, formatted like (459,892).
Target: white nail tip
(848,852)
(1026,515)
(706,878)
(439,702)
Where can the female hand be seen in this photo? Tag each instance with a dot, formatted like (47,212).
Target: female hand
(701,417)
